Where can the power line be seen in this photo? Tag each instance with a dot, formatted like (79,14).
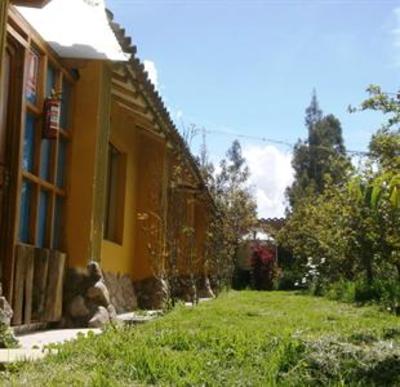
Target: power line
(276,141)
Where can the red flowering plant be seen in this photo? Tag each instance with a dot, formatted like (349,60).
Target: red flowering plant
(264,268)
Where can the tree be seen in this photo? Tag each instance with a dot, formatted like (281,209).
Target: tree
(350,231)
(234,199)
(321,156)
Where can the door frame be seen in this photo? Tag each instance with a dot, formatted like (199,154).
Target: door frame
(9,207)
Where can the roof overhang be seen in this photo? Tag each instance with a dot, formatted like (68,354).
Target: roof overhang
(76,29)
(30,3)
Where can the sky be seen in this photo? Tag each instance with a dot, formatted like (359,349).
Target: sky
(248,68)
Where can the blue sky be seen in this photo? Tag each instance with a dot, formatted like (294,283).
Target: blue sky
(250,67)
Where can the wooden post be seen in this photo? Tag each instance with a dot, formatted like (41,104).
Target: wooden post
(3,29)
(18,293)
(29,260)
(40,283)
(100,173)
(55,282)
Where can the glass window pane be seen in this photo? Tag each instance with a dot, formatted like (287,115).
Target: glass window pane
(62,156)
(58,222)
(25,212)
(113,221)
(51,80)
(33,77)
(29,143)
(42,217)
(65,105)
(45,158)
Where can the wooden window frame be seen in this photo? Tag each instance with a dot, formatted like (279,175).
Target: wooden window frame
(19,30)
(119,212)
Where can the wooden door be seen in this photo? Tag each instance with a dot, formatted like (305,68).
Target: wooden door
(10,120)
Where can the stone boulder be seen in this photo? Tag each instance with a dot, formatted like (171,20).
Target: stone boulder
(87,300)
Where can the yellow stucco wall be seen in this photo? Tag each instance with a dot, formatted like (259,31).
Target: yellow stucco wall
(88,127)
(120,257)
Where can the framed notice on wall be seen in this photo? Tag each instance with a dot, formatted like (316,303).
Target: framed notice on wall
(32,76)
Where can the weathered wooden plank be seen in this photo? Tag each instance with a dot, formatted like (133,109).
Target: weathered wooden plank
(18,293)
(54,289)
(28,282)
(40,283)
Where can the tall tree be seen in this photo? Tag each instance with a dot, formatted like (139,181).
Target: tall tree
(234,198)
(321,157)
(313,113)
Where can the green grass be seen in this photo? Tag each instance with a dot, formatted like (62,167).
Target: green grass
(242,338)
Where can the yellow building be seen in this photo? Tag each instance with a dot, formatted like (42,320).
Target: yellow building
(100,185)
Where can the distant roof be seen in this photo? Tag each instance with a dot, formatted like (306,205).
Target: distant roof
(76,29)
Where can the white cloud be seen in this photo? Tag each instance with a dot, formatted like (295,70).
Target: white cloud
(151,69)
(271,173)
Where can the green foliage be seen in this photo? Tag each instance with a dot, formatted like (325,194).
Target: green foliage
(235,210)
(241,338)
(353,224)
(7,339)
(319,159)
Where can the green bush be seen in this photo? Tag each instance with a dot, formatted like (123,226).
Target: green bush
(342,291)
(7,339)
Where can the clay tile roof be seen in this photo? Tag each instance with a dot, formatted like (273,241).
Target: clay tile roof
(138,66)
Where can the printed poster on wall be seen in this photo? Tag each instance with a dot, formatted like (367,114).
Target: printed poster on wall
(33,75)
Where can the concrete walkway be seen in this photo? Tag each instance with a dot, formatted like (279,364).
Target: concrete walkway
(32,345)
(38,340)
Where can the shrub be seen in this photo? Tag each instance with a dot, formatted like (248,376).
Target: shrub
(264,268)
(342,291)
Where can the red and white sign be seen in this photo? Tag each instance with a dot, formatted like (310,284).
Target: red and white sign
(33,75)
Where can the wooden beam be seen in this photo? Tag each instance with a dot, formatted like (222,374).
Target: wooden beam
(31,3)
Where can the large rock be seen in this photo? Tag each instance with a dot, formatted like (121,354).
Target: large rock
(100,318)
(98,294)
(122,292)
(6,312)
(152,293)
(77,308)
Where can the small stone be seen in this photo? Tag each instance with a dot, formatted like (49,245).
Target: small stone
(77,307)
(100,318)
(6,312)
(94,271)
(99,294)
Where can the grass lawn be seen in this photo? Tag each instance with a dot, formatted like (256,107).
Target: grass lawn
(241,338)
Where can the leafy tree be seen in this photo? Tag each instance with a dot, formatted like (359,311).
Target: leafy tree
(350,230)
(322,155)
(234,199)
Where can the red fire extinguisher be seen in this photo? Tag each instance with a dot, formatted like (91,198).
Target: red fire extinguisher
(51,124)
